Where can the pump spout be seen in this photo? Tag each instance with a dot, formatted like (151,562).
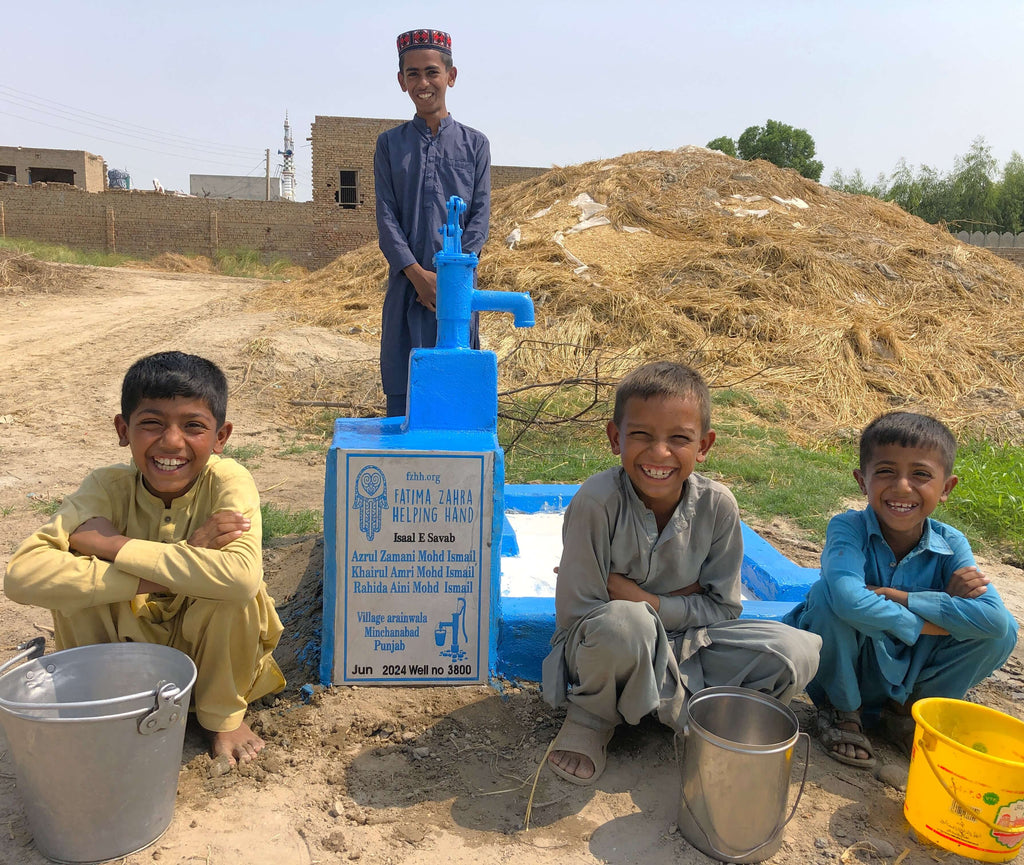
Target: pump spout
(518,303)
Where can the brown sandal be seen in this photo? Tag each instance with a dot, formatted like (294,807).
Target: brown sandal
(831,734)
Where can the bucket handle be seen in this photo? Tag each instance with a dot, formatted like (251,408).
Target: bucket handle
(727,857)
(31,649)
(165,712)
(11,705)
(968,809)
(164,693)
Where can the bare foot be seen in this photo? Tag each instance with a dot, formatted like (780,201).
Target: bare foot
(240,745)
(579,765)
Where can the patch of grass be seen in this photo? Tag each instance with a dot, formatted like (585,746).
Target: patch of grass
(246,454)
(300,445)
(229,262)
(47,506)
(542,447)
(564,454)
(247,262)
(62,254)
(771,410)
(988,502)
(278,521)
(772,477)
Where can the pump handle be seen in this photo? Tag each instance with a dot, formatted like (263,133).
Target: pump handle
(451,232)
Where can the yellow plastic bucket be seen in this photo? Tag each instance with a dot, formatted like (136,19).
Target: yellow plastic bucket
(965,790)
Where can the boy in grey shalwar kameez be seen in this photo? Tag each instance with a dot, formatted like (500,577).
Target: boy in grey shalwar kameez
(648,592)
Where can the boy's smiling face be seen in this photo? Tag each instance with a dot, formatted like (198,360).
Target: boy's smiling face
(426,80)
(660,441)
(904,485)
(171,441)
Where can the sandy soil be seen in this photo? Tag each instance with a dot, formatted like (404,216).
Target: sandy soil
(382,776)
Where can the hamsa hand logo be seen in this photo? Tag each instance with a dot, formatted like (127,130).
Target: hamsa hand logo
(370,499)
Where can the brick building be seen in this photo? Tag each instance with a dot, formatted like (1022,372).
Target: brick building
(344,206)
(27,165)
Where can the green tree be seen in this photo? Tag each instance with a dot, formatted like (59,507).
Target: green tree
(855,184)
(782,145)
(926,194)
(937,200)
(904,188)
(1010,197)
(972,190)
(723,143)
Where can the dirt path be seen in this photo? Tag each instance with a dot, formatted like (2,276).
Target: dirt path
(381,776)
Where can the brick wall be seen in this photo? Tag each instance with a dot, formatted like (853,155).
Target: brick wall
(506,175)
(1015,255)
(146,223)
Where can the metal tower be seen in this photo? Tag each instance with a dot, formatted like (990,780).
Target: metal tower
(288,169)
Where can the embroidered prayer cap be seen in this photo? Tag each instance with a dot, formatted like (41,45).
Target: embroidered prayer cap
(436,39)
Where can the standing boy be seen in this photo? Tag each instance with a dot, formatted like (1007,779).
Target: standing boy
(417,167)
(166,549)
(902,609)
(648,589)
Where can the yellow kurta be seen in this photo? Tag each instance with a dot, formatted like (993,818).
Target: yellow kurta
(216,610)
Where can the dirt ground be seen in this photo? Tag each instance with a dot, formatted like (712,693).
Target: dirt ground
(383,776)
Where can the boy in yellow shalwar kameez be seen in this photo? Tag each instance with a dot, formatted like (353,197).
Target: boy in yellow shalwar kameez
(166,549)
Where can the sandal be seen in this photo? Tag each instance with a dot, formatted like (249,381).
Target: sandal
(831,734)
(580,739)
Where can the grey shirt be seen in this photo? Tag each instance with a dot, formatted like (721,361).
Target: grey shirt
(607,529)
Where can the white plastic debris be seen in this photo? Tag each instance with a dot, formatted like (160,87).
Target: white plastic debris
(593,222)
(794,202)
(544,211)
(760,214)
(514,237)
(749,199)
(588,207)
(559,239)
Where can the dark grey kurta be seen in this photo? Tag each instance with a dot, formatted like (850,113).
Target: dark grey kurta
(415,173)
(625,660)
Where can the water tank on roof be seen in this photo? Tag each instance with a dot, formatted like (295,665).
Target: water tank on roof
(117,179)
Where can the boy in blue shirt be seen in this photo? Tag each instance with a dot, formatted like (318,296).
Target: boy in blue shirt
(417,167)
(902,609)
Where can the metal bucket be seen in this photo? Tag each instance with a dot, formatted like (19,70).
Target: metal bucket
(735,773)
(96,736)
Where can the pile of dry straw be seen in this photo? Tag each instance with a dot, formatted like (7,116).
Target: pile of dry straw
(837,306)
(20,273)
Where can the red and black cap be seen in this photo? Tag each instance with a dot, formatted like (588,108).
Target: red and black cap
(436,39)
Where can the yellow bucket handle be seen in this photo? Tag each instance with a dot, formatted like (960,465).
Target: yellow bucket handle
(968,809)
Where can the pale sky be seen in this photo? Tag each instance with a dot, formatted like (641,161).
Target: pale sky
(164,90)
